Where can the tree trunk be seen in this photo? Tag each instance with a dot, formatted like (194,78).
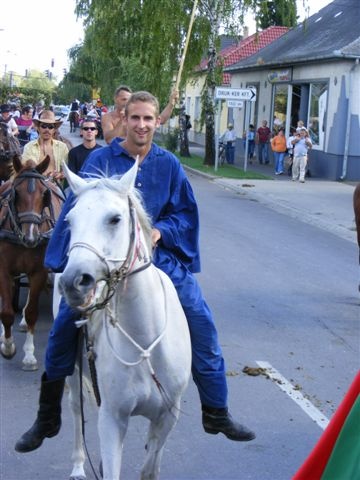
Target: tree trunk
(210,84)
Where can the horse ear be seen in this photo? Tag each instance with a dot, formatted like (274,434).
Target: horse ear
(75,182)
(127,181)
(43,166)
(17,163)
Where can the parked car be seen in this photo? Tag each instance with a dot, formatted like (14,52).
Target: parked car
(61,111)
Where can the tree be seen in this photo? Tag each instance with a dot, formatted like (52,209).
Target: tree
(276,12)
(139,43)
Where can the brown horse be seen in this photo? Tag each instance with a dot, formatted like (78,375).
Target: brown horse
(357,217)
(29,207)
(9,148)
(74,118)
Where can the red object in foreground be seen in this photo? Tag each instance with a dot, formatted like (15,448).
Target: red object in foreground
(314,466)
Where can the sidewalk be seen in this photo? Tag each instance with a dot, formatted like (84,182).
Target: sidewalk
(327,205)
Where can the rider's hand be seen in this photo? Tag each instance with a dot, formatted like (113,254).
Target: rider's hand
(155,236)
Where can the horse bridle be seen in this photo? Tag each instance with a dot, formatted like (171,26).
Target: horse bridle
(115,275)
(18,219)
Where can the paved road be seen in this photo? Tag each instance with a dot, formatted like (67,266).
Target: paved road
(314,344)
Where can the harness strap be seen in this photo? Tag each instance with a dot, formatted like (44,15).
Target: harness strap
(80,361)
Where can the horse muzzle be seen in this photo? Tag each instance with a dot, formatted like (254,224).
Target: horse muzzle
(78,288)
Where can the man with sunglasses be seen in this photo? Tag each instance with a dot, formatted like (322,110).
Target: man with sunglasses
(78,155)
(46,144)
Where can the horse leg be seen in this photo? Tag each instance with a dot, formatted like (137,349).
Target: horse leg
(78,454)
(23,325)
(158,432)
(37,282)
(112,430)
(7,315)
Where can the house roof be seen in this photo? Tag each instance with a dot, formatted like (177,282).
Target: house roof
(331,33)
(245,47)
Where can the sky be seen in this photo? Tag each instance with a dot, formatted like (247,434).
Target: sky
(32,33)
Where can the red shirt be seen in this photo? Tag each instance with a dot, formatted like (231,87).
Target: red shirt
(264,134)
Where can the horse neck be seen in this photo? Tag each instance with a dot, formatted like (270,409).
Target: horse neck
(139,305)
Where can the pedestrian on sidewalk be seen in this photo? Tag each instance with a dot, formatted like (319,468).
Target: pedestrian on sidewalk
(302,144)
(278,146)
(290,150)
(229,139)
(262,139)
(249,137)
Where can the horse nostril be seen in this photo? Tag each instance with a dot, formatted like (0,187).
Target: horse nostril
(84,280)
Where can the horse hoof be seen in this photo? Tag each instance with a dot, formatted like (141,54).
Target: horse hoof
(30,367)
(8,356)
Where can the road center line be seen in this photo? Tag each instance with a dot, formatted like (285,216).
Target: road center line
(295,395)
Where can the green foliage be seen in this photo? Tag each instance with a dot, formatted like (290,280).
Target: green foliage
(171,140)
(26,96)
(276,12)
(225,171)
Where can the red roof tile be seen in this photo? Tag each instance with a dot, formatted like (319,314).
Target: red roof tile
(245,48)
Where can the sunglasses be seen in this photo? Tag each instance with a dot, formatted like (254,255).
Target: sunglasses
(45,125)
(89,128)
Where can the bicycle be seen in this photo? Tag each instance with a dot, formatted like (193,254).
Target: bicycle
(221,153)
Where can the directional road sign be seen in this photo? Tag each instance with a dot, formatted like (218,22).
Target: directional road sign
(222,93)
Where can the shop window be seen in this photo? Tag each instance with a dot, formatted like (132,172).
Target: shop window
(280,106)
(317,113)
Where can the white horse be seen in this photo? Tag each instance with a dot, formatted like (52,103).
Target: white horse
(135,320)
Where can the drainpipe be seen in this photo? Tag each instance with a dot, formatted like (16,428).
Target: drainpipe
(348,118)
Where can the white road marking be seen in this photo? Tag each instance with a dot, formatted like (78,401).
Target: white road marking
(295,395)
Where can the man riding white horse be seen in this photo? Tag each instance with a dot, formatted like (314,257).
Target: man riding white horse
(170,202)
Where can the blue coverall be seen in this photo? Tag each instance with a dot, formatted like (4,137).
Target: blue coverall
(170,202)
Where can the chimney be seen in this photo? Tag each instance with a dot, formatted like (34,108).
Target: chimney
(245,32)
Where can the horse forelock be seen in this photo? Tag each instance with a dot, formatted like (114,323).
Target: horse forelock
(27,164)
(112,184)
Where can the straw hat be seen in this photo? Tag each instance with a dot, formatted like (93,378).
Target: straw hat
(47,116)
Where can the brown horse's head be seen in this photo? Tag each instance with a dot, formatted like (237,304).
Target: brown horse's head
(9,149)
(31,197)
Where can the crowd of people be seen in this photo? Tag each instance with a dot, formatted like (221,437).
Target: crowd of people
(293,148)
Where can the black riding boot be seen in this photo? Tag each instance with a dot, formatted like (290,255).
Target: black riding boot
(219,420)
(48,421)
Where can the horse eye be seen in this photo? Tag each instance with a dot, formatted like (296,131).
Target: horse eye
(115,220)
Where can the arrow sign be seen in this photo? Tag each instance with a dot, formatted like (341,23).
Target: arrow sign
(222,93)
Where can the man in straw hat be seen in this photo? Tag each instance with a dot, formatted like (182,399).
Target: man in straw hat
(45,145)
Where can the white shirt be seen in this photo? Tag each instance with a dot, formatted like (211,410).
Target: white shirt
(229,136)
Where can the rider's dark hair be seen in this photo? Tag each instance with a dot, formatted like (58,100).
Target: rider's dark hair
(26,109)
(124,88)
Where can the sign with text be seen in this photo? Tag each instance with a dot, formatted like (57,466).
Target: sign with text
(278,76)
(222,93)
(234,103)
